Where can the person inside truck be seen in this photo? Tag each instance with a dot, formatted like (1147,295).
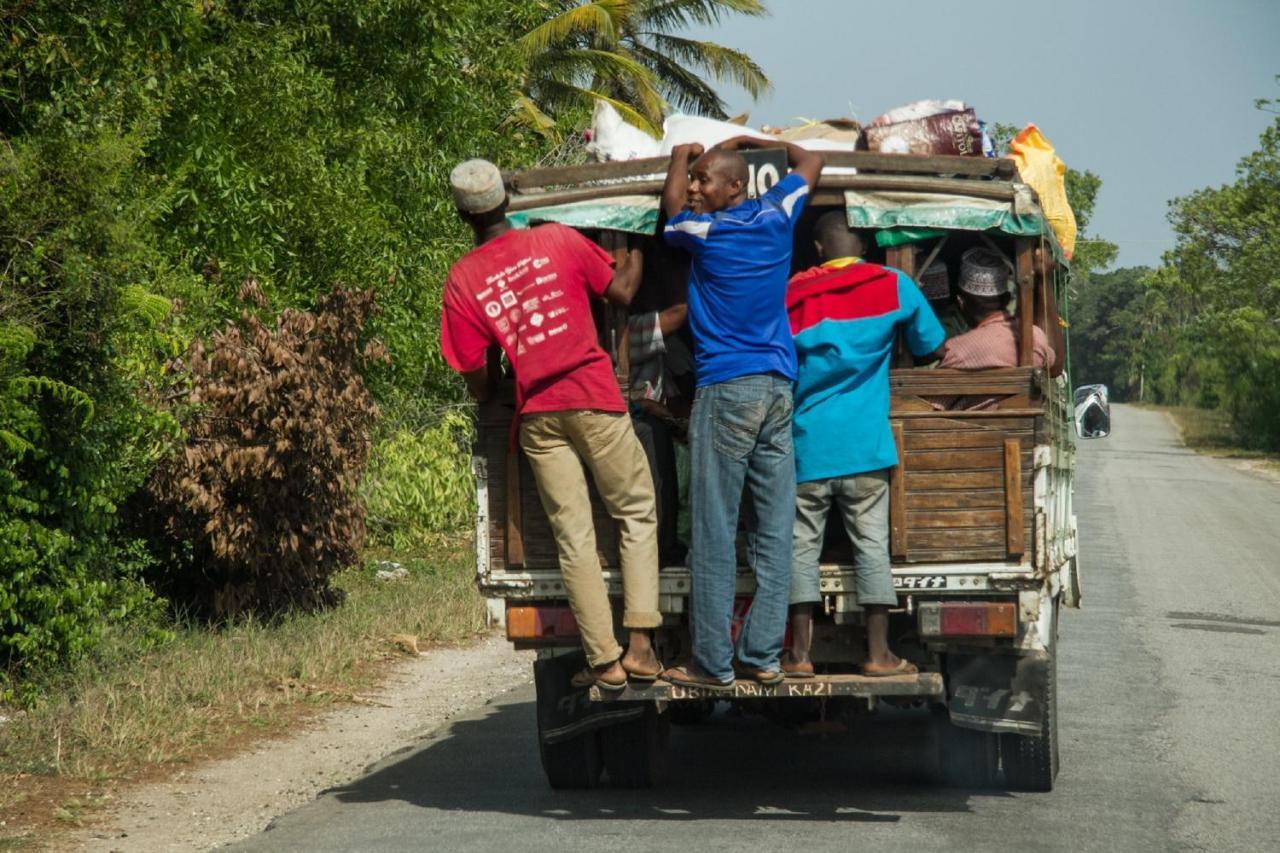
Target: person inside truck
(992,340)
(935,282)
(740,428)
(845,315)
(659,363)
(528,292)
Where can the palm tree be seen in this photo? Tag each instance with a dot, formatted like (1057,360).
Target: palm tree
(625,52)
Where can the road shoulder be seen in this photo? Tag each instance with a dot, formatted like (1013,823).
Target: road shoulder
(233,798)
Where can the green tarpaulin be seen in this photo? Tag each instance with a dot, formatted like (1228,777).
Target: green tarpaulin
(900,217)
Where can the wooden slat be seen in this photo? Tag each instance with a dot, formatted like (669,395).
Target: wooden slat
(902,257)
(1014,542)
(953,519)
(990,537)
(954,460)
(951,555)
(1002,422)
(967,499)
(1024,263)
(898,499)
(935,480)
(965,415)
(998,376)
(955,439)
(515,512)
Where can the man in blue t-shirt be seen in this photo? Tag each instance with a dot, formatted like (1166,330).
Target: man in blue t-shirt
(740,430)
(845,315)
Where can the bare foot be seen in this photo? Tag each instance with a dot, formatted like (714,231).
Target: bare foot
(796,663)
(610,674)
(889,664)
(644,663)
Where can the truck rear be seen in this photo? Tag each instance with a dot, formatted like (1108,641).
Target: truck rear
(982,530)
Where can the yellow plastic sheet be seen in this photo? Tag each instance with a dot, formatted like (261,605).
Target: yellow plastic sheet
(1042,170)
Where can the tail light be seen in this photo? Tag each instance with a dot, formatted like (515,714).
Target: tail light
(968,619)
(541,623)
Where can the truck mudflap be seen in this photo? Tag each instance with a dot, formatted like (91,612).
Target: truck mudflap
(565,711)
(997,693)
(926,685)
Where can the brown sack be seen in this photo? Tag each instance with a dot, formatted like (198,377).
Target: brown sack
(944,133)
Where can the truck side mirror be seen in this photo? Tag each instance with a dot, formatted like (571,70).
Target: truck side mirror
(1093,411)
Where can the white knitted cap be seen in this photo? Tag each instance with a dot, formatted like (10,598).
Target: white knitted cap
(477,186)
(983,273)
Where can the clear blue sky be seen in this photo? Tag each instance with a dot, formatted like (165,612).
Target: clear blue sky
(1155,97)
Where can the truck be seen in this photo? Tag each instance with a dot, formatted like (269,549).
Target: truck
(983,536)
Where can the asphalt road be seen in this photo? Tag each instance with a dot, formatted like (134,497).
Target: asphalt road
(1169,676)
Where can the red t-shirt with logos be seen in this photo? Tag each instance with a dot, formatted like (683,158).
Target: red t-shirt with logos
(529,292)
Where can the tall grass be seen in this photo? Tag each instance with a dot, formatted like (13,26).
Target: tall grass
(129,708)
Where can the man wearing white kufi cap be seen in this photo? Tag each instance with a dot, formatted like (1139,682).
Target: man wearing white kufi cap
(529,292)
(992,340)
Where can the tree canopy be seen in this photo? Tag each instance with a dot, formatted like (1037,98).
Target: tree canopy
(1203,328)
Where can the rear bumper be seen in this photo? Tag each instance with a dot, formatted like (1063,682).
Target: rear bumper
(925,685)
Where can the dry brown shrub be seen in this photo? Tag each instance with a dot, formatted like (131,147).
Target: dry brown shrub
(264,495)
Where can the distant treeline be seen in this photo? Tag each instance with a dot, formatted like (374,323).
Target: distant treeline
(1203,329)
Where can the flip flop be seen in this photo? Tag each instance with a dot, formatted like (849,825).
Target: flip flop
(586,678)
(903,667)
(797,670)
(765,677)
(687,676)
(644,677)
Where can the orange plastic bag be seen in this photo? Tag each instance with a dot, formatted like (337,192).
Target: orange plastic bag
(1042,170)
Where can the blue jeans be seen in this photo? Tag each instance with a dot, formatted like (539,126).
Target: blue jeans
(740,433)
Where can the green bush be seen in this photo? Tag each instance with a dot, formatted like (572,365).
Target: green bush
(420,483)
(158,152)
(73,428)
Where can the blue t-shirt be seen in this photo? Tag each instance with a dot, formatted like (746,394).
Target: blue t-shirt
(845,317)
(738,282)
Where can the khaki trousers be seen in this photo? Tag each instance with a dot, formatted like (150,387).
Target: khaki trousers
(557,445)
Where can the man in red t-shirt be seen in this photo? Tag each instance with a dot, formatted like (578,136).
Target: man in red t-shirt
(529,292)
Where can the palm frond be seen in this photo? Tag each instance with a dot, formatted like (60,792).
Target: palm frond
(595,22)
(561,96)
(641,91)
(723,63)
(525,113)
(685,90)
(584,64)
(680,14)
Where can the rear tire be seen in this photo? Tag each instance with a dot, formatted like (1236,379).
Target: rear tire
(572,764)
(967,758)
(569,762)
(1031,761)
(635,752)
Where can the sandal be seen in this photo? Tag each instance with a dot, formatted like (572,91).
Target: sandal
(644,677)
(691,676)
(586,677)
(793,669)
(902,667)
(763,677)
